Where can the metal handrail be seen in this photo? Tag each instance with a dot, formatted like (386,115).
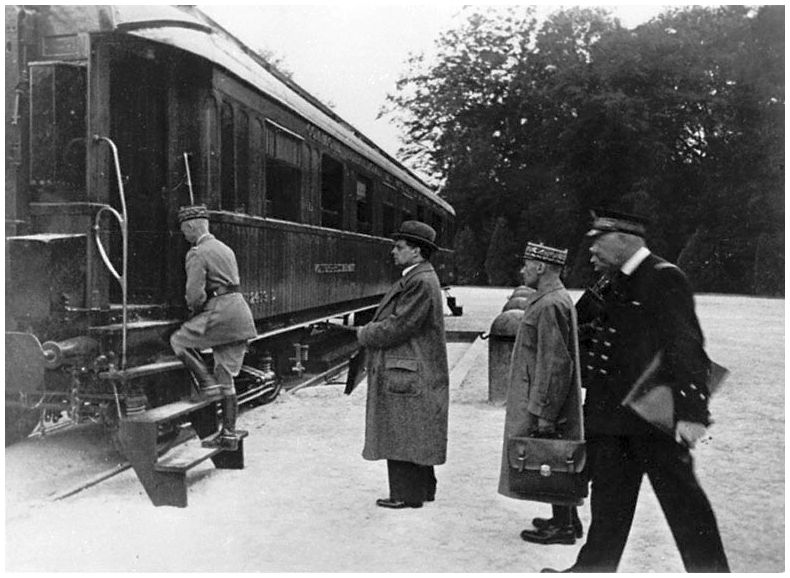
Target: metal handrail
(123,223)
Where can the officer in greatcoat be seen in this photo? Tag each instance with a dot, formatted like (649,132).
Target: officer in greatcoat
(408,378)
(220,317)
(647,309)
(544,388)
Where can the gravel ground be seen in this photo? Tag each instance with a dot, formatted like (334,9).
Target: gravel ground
(305,501)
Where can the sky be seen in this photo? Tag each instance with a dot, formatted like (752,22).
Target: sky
(350,54)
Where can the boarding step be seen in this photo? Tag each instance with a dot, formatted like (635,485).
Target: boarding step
(188,455)
(140,334)
(164,476)
(140,371)
(185,457)
(171,411)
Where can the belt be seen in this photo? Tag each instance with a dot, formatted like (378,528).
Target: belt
(223,290)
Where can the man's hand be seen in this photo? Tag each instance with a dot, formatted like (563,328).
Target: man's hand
(689,433)
(545,425)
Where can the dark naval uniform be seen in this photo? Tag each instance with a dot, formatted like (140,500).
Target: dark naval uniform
(648,311)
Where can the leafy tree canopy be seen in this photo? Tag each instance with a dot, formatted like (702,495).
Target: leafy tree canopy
(530,124)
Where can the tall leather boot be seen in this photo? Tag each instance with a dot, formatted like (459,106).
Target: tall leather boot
(206,382)
(230,410)
(230,436)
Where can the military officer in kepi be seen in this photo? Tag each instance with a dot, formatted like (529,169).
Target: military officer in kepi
(220,317)
(544,388)
(648,309)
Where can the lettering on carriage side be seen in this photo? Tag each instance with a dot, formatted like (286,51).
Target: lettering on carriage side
(256,297)
(335,267)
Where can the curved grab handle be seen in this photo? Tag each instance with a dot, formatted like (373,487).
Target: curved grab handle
(122,221)
(100,245)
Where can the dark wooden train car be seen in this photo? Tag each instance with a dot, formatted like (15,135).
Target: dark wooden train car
(115,117)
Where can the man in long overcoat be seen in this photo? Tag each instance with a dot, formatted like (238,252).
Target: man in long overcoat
(649,309)
(408,378)
(544,388)
(220,317)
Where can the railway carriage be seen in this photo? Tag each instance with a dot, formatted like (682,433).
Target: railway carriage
(115,117)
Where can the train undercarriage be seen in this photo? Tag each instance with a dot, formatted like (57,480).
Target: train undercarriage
(56,384)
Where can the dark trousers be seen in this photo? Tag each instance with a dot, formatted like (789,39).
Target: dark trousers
(565,515)
(411,483)
(617,465)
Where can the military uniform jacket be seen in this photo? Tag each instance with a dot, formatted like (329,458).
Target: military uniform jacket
(217,320)
(649,311)
(543,379)
(408,378)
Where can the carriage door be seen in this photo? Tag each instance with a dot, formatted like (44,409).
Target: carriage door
(138,125)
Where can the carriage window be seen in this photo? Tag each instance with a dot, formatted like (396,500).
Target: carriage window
(364,205)
(57,127)
(331,193)
(283,173)
(257,151)
(242,204)
(389,212)
(388,220)
(436,223)
(228,168)
(211,167)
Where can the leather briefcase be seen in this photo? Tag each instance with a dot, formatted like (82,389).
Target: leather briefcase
(547,470)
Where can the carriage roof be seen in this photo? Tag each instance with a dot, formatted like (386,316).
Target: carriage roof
(189,29)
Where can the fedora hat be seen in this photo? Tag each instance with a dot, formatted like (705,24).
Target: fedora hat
(417,232)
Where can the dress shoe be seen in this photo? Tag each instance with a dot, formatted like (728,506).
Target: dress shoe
(553,571)
(550,535)
(543,523)
(396,504)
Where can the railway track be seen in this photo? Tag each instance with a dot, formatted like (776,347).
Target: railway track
(64,459)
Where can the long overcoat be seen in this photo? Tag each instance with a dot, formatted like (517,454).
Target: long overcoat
(216,320)
(543,379)
(408,378)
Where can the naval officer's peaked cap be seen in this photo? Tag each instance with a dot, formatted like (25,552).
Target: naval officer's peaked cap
(606,221)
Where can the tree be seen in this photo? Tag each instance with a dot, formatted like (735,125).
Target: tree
(469,259)
(502,257)
(681,119)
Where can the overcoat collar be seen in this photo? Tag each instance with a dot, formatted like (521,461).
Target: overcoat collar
(203,238)
(397,287)
(555,285)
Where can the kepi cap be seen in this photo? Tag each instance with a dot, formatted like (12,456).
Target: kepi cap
(538,252)
(605,221)
(417,232)
(192,212)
